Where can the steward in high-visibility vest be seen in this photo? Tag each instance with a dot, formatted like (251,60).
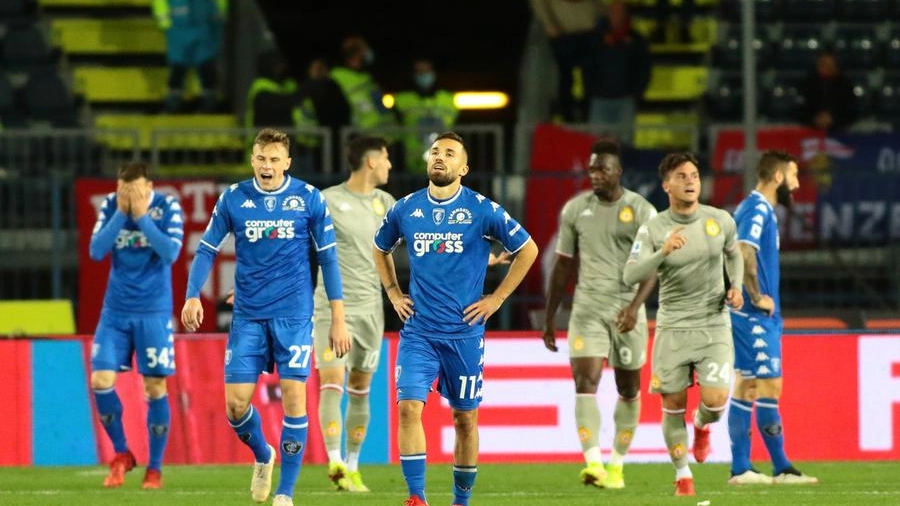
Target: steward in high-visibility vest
(361,91)
(425,112)
(273,100)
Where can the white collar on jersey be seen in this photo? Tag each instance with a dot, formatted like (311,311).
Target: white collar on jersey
(446,201)
(276,191)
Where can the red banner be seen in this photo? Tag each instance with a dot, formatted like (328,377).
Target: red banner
(197,201)
(841,401)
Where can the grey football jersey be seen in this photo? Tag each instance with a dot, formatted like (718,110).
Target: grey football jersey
(356,218)
(601,233)
(691,279)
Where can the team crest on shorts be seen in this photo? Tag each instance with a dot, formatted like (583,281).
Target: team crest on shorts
(712,228)
(327,355)
(578,343)
(626,215)
(227,356)
(655,381)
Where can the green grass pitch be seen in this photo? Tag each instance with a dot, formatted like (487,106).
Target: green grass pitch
(538,484)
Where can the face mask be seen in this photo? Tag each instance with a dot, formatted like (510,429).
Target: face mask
(369,57)
(783,195)
(425,80)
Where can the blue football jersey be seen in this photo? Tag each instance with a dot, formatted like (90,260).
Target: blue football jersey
(273,232)
(449,243)
(140,277)
(757,225)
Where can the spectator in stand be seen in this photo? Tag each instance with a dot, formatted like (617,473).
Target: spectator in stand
(364,95)
(568,24)
(331,108)
(617,72)
(828,95)
(425,112)
(194,32)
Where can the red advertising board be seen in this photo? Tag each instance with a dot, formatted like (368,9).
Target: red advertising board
(841,401)
(197,201)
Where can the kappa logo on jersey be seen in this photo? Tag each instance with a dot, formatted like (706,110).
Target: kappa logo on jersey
(270,203)
(712,228)
(586,212)
(763,370)
(626,215)
(255,230)
(759,343)
(417,214)
(430,242)
(757,330)
(343,206)
(131,239)
(248,204)
(460,216)
(293,203)
(761,357)
(438,215)
(762,207)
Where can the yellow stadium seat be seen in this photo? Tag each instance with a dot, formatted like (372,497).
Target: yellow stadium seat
(665,130)
(127,84)
(109,35)
(677,83)
(145,124)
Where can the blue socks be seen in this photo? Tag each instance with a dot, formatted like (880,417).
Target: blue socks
(413,467)
(463,481)
(158,417)
(250,433)
(293,444)
(739,419)
(109,407)
(768,420)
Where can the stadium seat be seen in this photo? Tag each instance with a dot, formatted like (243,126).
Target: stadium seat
(892,50)
(764,10)
(26,47)
(862,95)
(798,47)
(808,10)
(12,9)
(887,101)
(725,100)
(48,98)
(782,100)
(116,35)
(857,48)
(862,10)
(728,52)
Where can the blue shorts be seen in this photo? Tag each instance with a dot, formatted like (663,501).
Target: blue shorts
(457,364)
(255,346)
(757,345)
(149,338)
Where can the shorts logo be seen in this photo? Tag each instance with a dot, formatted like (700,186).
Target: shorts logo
(655,382)
(578,343)
(626,215)
(712,228)
(293,203)
(438,215)
(397,370)
(270,203)
(460,216)
(227,356)
(292,447)
(327,355)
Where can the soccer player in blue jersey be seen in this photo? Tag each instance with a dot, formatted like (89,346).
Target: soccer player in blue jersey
(143,231)
(448,230)
(757,326)
(275,219)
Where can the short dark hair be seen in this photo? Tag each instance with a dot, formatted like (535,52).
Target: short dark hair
(607,146)
(772,160)
(268,136)
(133,170)
(352,46)
(452,136)
(672,160)
(359,146)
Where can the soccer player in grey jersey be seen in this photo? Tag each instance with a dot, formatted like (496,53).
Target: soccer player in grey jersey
(687,245)
(608,320)
(357,208)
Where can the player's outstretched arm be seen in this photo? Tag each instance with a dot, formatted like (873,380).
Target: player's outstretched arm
(563,267)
